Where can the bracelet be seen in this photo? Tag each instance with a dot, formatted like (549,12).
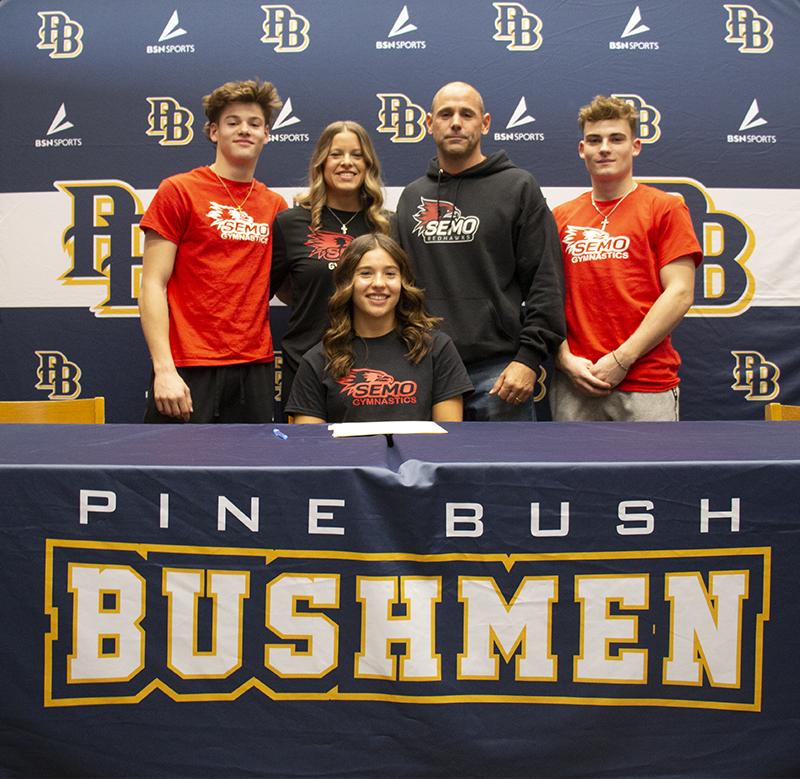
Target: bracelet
(618,362)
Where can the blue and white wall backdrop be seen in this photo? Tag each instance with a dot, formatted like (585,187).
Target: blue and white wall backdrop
(103,100)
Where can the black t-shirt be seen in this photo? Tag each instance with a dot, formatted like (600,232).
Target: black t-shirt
(382,386)
(309,258)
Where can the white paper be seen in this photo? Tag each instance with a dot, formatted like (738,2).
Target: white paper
(347,429)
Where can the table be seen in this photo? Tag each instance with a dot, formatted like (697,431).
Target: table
(508,599)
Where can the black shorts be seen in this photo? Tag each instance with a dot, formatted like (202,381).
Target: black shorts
(227,394)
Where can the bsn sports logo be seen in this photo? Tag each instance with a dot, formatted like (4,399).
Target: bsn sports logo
(172,30)
(60,34)
(402,118)
(439,221)
(369,387)
(756,376)
(104,242)
(58,125)
(516,25)
(327,246)
(170,121)
(750,122)
(235,224)
(634,27)
(285,28)
(58,376)
(749,29)
(648,116)
(586,244)
(401,26)
(285,119)
(519,118)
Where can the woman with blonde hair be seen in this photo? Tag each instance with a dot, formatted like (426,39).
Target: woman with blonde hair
(344,200)
(383,358)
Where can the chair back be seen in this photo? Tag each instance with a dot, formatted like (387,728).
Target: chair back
(776,412)
(86,411)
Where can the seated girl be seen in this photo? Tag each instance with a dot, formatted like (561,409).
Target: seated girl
(383,358)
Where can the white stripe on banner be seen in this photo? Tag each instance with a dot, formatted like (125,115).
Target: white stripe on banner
(33,258)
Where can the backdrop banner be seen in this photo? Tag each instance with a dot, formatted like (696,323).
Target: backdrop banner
(112,105)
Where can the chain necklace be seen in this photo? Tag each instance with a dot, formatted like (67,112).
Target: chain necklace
(237,205)
(619,203)
(343,224)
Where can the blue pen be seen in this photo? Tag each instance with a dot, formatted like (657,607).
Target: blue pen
(280,434)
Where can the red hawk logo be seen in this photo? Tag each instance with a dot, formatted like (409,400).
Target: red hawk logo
(218,213)
(327,246)
(359,376)
(589,236)
(430,211)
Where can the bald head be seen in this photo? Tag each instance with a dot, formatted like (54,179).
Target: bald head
(457,121)
(461,91)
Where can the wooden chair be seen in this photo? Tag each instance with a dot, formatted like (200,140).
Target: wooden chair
(86,411)
(775,412)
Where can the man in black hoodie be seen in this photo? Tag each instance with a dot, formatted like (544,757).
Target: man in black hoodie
(483,243)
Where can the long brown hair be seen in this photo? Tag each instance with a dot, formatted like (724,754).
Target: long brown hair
(412,323)
(371,190)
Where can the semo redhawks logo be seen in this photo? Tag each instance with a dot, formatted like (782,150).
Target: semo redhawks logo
(368,386)
(441,222)
(327,246)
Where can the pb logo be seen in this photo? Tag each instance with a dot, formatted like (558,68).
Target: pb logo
(724,286)
(517,26)
(756,376)
(105,242)
(399,116)
(58,375)
(649,117)
(284,27)
(747,28)
(59,33)
(169,120)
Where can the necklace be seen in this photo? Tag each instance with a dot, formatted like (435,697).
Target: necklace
(343,224)
(237,205)
(619,203)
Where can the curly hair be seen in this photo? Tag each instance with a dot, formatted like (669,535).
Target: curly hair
(252,91)
(412,323)
(603,108)
(371,190)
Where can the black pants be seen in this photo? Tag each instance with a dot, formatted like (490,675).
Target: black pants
(227,394)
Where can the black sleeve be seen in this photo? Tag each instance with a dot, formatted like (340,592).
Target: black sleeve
(450,377)
(308,395)
(540,271)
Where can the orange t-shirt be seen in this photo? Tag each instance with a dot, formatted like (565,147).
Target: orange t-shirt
(219,289)
(612,275)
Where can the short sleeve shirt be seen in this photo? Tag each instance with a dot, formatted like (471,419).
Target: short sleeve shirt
(383,385)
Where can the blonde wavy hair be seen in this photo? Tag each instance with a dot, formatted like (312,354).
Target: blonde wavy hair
(371,190)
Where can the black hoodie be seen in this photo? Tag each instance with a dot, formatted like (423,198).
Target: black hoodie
(482,243)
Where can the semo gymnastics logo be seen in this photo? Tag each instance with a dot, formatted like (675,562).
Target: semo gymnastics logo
(367,386)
